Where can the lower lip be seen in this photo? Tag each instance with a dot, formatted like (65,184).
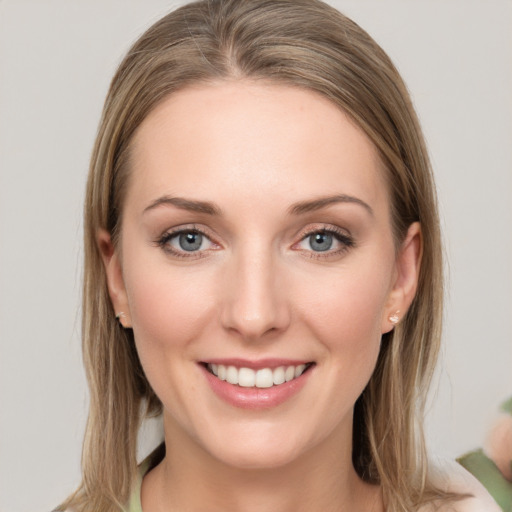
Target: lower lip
(255,398)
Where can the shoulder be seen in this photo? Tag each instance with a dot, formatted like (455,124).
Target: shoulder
(452,477)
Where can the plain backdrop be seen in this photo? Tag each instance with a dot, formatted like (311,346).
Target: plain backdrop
(56,60)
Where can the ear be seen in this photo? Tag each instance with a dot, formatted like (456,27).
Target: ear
(407,270)
(115,281)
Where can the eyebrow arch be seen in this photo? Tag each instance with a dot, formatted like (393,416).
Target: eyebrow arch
(322,202)
(185,204)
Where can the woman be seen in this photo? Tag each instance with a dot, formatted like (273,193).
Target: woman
(262,268)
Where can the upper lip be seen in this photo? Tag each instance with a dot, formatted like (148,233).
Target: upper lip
(257,364)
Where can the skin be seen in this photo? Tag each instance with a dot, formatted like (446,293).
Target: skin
(498,445)
(257,289)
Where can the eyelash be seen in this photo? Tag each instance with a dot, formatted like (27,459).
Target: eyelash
(346,241)
(163,242)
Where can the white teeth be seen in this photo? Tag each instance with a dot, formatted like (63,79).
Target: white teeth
(232,375)
(263,378)
(289,373)
(246,378)
(278,375)
(299,369)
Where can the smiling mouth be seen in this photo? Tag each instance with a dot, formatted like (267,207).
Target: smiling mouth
(262,378)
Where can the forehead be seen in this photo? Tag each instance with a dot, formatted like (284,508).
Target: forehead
(253,143)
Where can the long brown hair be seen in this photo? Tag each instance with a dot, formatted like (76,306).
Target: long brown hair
(301,43)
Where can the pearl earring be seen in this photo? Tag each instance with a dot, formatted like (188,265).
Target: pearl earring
(394,317)
(119,316)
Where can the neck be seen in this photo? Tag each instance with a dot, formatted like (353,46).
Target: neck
(321,479)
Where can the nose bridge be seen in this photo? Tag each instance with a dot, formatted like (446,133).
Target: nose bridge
(254,304)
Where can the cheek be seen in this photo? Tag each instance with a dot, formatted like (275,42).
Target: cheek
(168,305)
(169,308)
(350,306)
(345,315)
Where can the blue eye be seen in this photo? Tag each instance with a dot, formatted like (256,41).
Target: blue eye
(190,241)
(328,241)
(321,241)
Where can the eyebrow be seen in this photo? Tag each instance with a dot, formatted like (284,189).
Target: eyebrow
(185,204)
(322,202)
(299,208)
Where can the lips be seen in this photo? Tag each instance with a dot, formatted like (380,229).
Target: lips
(256,385)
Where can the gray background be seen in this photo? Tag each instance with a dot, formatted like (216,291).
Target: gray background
(56,60)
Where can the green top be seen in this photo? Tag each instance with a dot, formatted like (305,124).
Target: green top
(145,466)
(485,470)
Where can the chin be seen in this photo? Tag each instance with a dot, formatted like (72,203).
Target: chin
(256,458)
(257,447)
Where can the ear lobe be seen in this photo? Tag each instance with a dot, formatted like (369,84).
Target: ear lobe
(115,281)
(408,264)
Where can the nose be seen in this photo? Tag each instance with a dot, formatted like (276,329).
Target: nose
(255,302)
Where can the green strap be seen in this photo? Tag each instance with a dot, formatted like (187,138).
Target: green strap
(490,476)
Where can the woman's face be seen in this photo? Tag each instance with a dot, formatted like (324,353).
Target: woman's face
(256,245)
